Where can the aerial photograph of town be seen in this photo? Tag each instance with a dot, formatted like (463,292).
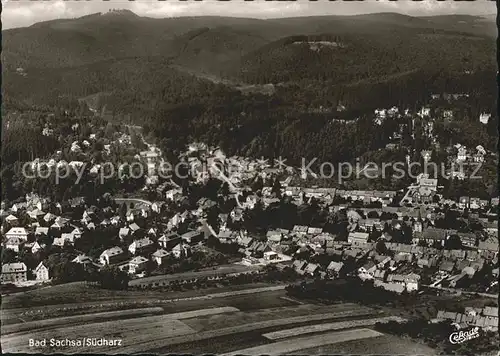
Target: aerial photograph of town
(249,178)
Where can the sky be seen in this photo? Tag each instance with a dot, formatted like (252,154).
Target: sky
(21,13)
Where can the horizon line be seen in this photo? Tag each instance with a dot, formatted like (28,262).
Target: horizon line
(252,18)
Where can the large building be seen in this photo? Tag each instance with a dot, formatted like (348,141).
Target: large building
(14,272)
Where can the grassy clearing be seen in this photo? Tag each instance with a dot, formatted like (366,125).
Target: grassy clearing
(287,346)
(382,345)
(32,325)
(310,329)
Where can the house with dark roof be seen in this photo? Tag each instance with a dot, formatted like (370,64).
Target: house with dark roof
(169,240)
(112,255)
(141,246)
(193,237)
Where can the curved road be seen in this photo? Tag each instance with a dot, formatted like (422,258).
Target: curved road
(133,200)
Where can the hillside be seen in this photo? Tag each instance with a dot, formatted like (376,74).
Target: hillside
(179,77)
(136,84)
(352,57)
(97,37)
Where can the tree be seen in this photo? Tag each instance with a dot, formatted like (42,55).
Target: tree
(453,243)
(276,188)
(113,278)
(381,248)
(123,210)
(257,184)
(8,255)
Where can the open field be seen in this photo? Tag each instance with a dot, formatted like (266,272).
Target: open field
(204,273)
(79,292)
(311,329)
(166,345)
(85,318)
(287,346)
(214,323)
(132,331)
(120,300)
(270,316)
(381,345)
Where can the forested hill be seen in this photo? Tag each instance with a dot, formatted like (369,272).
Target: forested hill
(155,70)
(93,38)
(348,58)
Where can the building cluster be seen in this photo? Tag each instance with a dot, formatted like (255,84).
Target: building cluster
(486,318)
(28,229)
(399,239)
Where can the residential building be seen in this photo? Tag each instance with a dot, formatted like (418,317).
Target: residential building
(270,256)
(137,265)
(141,246)
(112,256)
(14,272)
(181,250)
(37,247)
(358,237)
(192,237)
(42,272)
(17,232)
(168,241)
(13,244)
(160,256)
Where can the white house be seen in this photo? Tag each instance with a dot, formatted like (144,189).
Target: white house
(35,214)
(68,237)
(173,194)
(462,154)
(137,265)
(37,247)
(14,272)
(59,241)
(181,250)
(139,246)
(130,216)
(424,112)
(124,232)
(13,244)
(12,220)
(42,272)
(17,232)
(76,233)
(484,118)
(358,237)
(49,217)
(160,256)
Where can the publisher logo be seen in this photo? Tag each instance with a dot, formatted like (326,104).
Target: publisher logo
(462,336)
